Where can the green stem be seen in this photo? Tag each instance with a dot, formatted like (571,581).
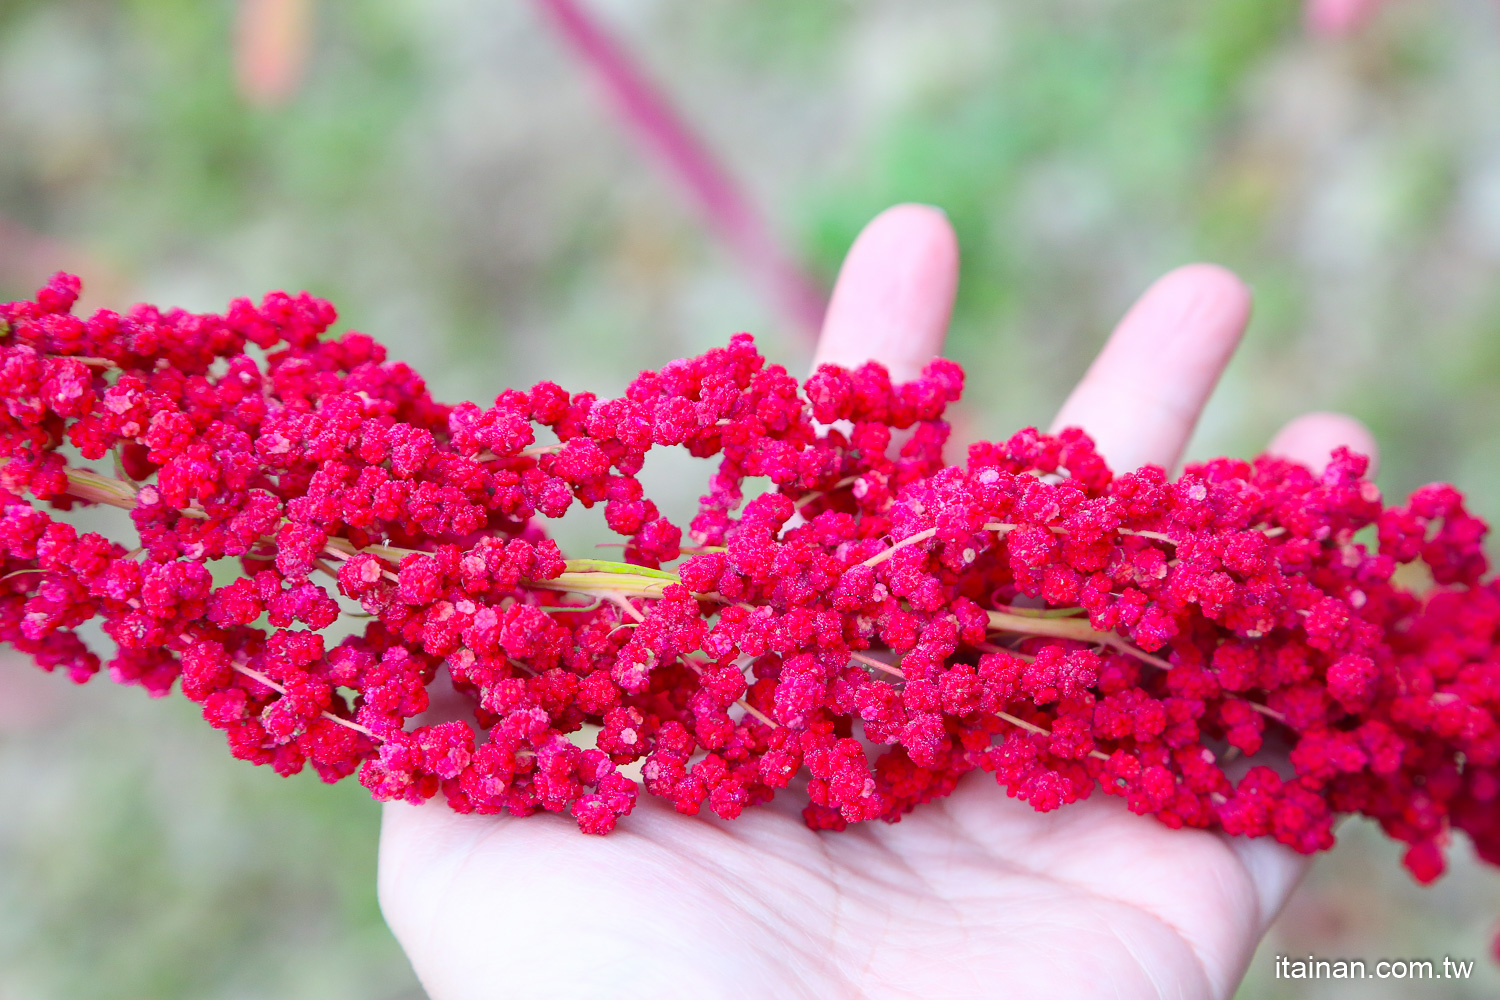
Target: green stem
(604,578)
(1077,629)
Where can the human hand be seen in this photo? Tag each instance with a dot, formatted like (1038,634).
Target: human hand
(972,895)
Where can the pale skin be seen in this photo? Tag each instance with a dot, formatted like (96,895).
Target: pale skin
(972,896)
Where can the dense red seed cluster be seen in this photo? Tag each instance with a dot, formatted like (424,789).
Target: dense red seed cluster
(1219,650)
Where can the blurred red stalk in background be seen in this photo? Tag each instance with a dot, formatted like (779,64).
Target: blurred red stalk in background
(26,255)
(272,41)
(722,202)
(1334,18)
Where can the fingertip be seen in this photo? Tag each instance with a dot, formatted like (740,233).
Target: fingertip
(1221,278)
(1312,438)
(894,293)
(1142,395)
(912,213)
(1214,293)
(911,227)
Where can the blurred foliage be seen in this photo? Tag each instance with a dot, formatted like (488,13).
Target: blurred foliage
(138,861)
(452,180)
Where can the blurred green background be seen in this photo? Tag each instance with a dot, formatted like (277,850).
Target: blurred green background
(451,176)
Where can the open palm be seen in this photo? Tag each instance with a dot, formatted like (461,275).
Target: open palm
(972,896)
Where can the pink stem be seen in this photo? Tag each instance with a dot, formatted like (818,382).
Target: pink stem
(29,256)
(724,205)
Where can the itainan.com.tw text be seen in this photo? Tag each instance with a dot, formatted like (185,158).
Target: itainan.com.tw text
(1312,967)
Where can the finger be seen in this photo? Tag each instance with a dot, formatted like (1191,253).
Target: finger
(1312,438)
(894,293)
(1336,18)
(1142,396)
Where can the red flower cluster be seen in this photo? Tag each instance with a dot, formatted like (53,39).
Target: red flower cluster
(878,624)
